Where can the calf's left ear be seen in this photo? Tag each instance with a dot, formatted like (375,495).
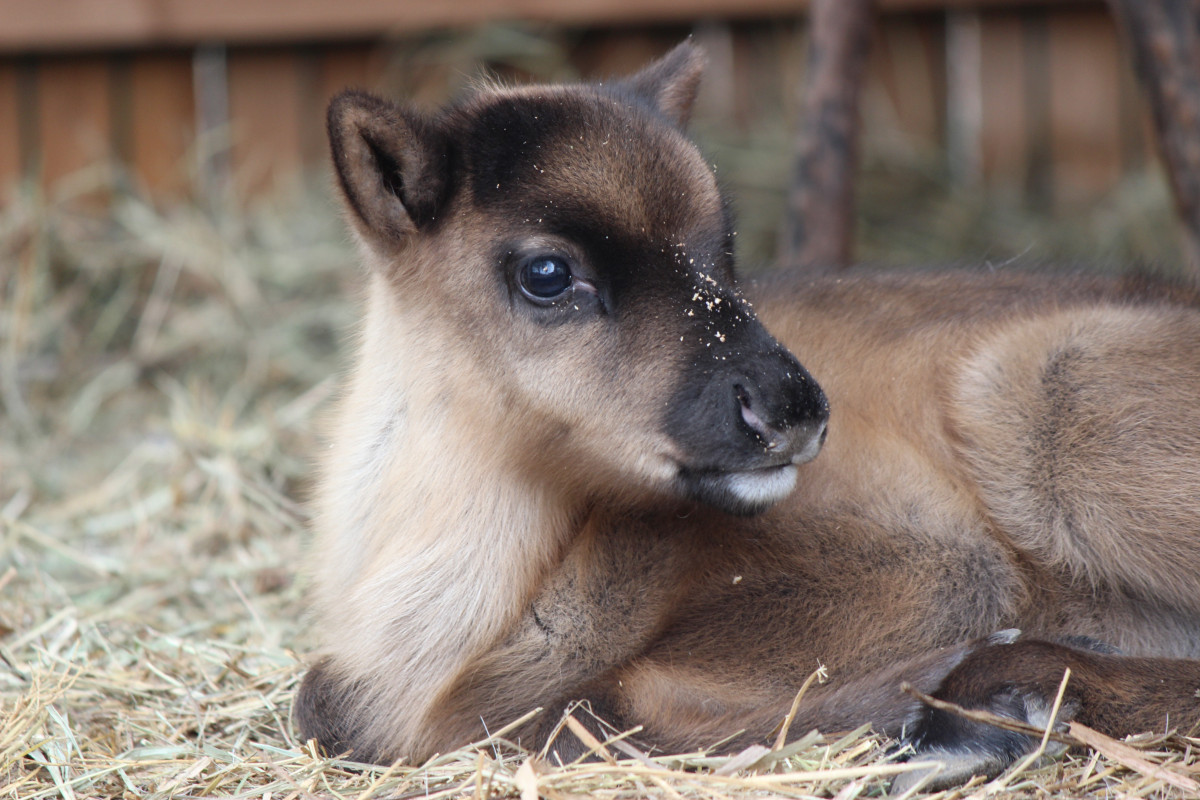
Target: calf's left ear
(392,164)
(671,83)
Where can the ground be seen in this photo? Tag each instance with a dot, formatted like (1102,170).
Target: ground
(163,372)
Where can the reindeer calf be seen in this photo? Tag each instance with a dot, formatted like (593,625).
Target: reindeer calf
(573,464)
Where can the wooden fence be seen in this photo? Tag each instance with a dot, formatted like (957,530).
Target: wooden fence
(1032,96)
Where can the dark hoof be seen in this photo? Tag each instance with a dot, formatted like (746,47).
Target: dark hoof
(991,679)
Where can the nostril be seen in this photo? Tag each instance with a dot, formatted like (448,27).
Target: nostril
(742,395)
(750,417)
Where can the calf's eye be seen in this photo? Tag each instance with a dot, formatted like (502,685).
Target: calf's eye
(545,277)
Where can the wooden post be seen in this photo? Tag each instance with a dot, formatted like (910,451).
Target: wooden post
(1163,37)
(819,228)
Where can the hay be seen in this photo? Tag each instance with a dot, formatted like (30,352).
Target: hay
(160,374)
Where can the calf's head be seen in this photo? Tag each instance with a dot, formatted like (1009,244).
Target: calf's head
(567,248)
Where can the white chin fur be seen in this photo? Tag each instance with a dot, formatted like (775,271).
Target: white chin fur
(761,487)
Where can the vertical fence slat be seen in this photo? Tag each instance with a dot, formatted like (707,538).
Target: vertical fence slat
(163,122)
(1035,49)
(74,101)
(964,95)
(336,68)
(1084,75)
(1137,125)
(604,55)
(1004,146)
(1059,105)
(10,127)
(905,63)
(266,107)
(346,68)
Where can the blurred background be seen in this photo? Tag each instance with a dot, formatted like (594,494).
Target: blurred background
(177,296)
(992,128)
(174,268)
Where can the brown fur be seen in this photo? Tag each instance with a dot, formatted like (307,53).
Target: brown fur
(501,524)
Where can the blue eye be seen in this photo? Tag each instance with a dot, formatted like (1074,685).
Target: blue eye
(545,277)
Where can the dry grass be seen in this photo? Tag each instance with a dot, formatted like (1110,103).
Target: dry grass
(160,374)
(158,379)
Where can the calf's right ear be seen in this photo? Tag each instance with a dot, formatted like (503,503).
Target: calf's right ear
(392,165)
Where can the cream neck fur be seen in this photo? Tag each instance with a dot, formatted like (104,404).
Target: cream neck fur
(428,529)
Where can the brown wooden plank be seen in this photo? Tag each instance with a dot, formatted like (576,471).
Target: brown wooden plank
(606,54)
(267,108)
(1004,145)
(1138,146)
(355,66)
(903,74)
(1085,126)
(758,82)
(964,96)
(54,24)
(10,128)
(74,115)
(1039,173)
(162,127)
(327,71)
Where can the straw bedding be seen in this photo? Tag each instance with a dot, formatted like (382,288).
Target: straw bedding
(162,376)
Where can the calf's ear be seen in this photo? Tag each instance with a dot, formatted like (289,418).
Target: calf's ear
(391,163)
(671,83)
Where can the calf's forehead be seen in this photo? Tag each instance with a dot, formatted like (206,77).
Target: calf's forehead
(585,154)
